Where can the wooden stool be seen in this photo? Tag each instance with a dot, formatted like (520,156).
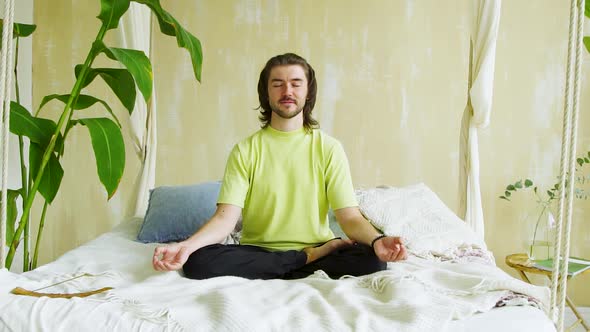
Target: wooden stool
(522,264)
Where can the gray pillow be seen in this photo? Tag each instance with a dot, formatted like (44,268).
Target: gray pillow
(175,213)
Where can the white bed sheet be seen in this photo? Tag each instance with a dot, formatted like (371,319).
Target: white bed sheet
(147,300)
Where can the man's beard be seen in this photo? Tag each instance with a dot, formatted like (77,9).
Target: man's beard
(286,115)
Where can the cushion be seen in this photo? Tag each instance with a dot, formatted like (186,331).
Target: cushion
(416,214)
(175,213)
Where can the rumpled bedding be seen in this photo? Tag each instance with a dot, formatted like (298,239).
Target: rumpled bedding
(419,294)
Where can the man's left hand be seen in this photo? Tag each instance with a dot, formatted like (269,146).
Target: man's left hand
(390,249)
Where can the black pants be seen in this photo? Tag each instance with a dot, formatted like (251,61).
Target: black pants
(257,263)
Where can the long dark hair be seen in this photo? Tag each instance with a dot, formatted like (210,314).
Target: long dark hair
(309,123)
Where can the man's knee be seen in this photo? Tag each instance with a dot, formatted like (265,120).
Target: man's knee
(200,264)
(368,262)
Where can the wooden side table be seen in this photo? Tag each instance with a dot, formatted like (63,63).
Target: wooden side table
(522,264)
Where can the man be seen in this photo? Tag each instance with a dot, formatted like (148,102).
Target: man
(282,180)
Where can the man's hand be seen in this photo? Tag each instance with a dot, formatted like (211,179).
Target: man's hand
(171,257)
(390,249)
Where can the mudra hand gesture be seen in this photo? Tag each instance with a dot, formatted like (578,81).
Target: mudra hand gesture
(390,249)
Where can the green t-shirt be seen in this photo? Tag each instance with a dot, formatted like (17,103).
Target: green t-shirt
(285,182)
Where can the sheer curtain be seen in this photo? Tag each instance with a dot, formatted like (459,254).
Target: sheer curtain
(479,106)
(135,33)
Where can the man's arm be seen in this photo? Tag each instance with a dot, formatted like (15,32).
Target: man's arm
(357,228)
(172,257)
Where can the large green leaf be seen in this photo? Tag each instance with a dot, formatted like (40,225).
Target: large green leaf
(587,43)
(83,102)
(109,150)
(11,213)
(164,18)
(587,9)
(170,26)
(18,29)
(22,123)
(52,175)
(135,61)
(111,12)
(119,80)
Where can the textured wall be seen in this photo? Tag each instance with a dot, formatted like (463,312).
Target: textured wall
(392,86)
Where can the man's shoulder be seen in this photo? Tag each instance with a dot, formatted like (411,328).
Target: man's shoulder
(327,140)
(247,141)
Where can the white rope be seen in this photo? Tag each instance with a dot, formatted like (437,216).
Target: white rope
(565,250)
(568,150)
(5,95)
(564,156)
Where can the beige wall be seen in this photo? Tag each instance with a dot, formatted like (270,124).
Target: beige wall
(392,87)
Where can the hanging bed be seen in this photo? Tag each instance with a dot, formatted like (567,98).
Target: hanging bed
(449,282)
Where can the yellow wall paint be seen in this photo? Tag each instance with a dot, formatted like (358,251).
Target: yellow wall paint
(392,87)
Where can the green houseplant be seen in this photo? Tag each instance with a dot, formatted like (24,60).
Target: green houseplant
(47,139)
(19,31)
(546,198)
(545,202)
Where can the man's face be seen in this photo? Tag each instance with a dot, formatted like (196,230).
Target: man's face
(287,90)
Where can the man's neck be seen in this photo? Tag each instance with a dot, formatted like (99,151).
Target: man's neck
(281,124)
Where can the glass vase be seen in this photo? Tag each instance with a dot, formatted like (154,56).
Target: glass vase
(540,245)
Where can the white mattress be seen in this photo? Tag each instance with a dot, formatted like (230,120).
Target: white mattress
(147,300)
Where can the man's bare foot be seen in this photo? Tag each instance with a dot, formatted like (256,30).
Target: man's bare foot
(315,253)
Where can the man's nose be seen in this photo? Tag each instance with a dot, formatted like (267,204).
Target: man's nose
(288,90)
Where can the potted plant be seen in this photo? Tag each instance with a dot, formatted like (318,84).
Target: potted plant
(545,200)
(47,139)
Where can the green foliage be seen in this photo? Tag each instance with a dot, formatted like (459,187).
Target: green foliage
(553,192)
(111,12)
(47,138)
(22,123)
(587,13)
(11,213)
(136,62)
(109,151)
(82,102)
(39,132)
(53,174)
(170,26)
(119,80)
(18,29)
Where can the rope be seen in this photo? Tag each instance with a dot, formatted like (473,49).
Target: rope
(568,149)
(565,250)
(564,152)
(5,95)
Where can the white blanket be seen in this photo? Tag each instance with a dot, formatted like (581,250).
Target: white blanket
(416,295)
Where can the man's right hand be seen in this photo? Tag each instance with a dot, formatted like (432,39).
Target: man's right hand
(170,257)
(173,256)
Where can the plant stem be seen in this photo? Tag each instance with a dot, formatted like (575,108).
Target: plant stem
(23,171)
(39,232)
(535,232)
(23,167)
(51,147)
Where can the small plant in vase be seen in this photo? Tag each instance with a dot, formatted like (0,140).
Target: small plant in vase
(545,200)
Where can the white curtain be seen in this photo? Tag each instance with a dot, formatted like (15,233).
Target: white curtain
(135,33)
(477,112)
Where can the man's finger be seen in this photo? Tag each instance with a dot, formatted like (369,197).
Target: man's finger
(171,266)
(395,254)
(158,251)
(404,253)
(158,266)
